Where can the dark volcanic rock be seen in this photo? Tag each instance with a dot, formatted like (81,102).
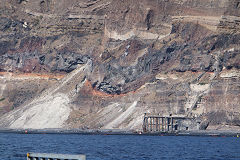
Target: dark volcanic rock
(5,46)
(204,125)
(66,61)
(38,62)
(5,23)
(10,25)
(106,87)
(29,56)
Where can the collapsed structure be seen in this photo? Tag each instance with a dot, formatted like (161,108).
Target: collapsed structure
(157,123)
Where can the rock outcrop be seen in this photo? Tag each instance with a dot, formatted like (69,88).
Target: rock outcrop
(179,57)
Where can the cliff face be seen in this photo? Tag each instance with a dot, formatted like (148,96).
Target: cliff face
(103,64)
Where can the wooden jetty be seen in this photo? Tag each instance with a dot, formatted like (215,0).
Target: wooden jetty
(51,156)
(157,123)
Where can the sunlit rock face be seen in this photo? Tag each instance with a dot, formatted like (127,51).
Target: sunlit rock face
(109,62)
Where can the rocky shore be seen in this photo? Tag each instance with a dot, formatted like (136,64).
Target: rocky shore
(208,133)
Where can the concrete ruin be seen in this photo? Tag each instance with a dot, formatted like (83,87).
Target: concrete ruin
(158,123)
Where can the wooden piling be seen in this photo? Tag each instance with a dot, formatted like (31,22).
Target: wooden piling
(150,119)
(162,125)
(165,124)
(147,127)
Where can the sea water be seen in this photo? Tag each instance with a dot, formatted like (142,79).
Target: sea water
(120,147)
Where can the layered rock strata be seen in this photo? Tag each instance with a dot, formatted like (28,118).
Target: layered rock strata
(158,57)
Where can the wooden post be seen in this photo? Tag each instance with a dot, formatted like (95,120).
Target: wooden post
(162,124)
(153,128)
(172,123)
(144,124)
(150,124)
(147,127)
(166,123)
(159,123)
(155,124)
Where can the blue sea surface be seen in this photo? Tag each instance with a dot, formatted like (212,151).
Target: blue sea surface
(120,147)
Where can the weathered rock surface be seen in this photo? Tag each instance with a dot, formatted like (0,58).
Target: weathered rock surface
(160,57)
